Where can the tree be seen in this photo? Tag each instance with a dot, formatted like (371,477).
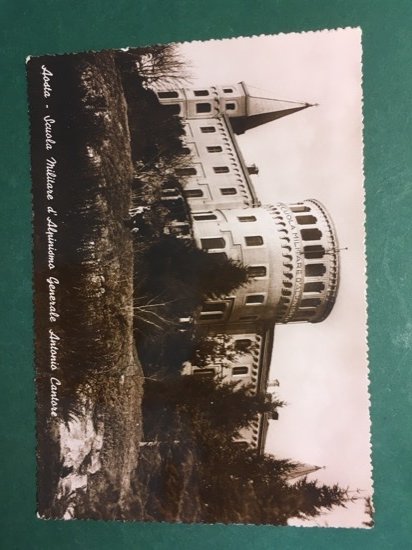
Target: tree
(176,270)
(209,404)
(160,65)
(217,349)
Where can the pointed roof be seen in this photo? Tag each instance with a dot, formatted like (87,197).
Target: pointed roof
(263,107)
(302,470)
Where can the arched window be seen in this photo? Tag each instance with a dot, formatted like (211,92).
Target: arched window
(212,242)
(245,219)
(205,216)
(207,373)
(228,191)
(173,109)
(314,270)
(313,287)
(214,149)
(249,317)
(193,193)
(311,234)
(257,271)
(188,171)
(243,344)
(306,220)
(199,93)
(221,169)
(310,302)
(209,307)
(255,299)
(213,311)
(254,240)
(314,251)
(300,208)
(221,255)
(167,95)
(240,371)
(203,107)
(306,312)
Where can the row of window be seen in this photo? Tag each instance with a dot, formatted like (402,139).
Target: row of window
(191,170)
(172,94)
(212,243)
(201,108)
(210,373)
(209,216)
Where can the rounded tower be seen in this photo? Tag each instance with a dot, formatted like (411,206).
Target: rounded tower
(292,256)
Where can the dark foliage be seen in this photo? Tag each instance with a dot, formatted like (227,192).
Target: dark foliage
(179,272)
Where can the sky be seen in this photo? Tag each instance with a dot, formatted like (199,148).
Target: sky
(315,153)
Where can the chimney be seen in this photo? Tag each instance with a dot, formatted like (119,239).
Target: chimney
(253,170)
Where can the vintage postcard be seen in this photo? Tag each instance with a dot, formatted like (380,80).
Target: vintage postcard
(200,288)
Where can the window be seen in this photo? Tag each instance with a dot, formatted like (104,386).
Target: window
(201,92)
(213,311)
(228,90)
(214,149)
(205,216)
(230,106)
(314,251)
(245,219)
(203,107)
(193,193)
(254,240)
(311,234)
(220,169)
(167,95)
(243,345)
(306,220)
(240,371)
(211,307)
(228,191)
(299,208)
(249,317)
(221,255)
(309,302)
(212,242)
(303,314)
(313,287)
(186,150)
(189,171)
(211,316)
(257,271)
(173,109)
(208,129)
(253,299)
(314,270)
(207,373)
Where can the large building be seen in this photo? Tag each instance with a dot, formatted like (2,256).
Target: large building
(290,250)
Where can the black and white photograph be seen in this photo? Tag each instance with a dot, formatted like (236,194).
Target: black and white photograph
(200,282)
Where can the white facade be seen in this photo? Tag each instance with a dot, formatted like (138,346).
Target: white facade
(291,251)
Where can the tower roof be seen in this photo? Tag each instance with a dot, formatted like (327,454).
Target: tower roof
(263,107)
(302,470)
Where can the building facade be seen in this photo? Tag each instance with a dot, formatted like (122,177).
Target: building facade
(290,250)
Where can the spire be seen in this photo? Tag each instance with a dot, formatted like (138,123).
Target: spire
(261,107)
(302,470)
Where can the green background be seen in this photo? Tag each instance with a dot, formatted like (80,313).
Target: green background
(49,26)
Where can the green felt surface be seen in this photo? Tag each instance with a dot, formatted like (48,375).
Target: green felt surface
(54,26)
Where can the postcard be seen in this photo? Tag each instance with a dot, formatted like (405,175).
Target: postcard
(199,282)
